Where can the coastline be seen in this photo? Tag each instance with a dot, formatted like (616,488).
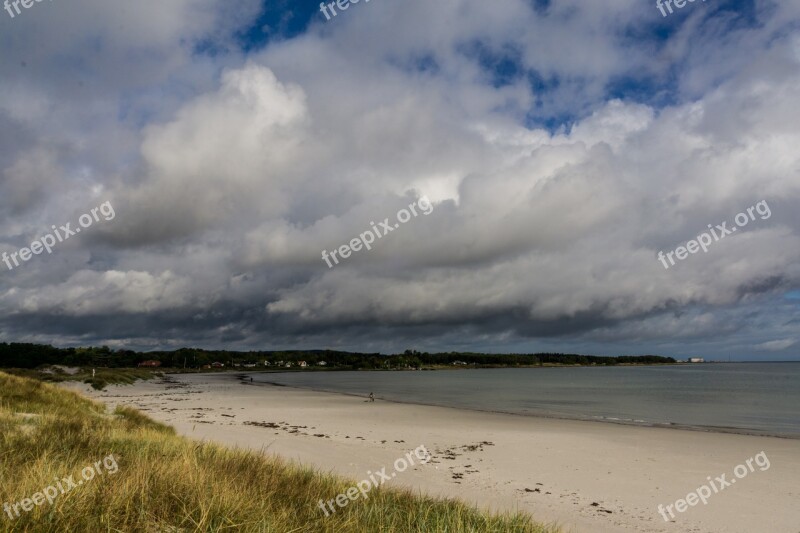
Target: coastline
(603,420)
(593,477)
(791,434)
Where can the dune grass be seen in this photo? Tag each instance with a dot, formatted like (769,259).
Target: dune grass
(101,378)
(168,483)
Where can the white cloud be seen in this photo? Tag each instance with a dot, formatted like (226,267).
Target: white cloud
(230,174)
(776,345)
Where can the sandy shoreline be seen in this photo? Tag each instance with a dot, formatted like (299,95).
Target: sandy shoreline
(586,476)
(621,422)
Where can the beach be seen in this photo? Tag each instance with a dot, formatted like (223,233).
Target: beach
(585,476)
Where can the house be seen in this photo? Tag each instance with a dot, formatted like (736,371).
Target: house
(303,364)
(217,365)
(696,360)
(150,364)
(249,365)
(322,363)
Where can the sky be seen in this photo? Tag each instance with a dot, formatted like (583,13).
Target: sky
(556,152)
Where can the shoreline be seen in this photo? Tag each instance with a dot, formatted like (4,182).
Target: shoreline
(598,478)
(724,430)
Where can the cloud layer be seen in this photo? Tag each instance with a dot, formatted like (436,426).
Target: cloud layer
(563,147)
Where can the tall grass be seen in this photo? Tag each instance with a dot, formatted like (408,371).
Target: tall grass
(169,483)
(99,379)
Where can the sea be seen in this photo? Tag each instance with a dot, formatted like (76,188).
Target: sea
(750,398)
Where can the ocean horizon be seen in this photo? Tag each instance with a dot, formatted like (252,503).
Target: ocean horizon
(751,398)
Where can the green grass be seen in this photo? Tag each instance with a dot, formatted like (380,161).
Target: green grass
(169,483)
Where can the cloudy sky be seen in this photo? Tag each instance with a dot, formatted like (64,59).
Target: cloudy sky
(562,145)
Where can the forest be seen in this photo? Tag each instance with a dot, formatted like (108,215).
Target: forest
(24,355)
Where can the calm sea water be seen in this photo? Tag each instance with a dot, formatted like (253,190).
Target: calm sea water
(761,398)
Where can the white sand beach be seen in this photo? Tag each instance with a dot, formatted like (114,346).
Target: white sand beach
(586,476)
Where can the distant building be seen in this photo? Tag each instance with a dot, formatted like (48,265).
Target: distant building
(150,364)
(302,364)
(217,365)
(322,363)
(696,360)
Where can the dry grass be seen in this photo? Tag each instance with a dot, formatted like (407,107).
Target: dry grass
(169,483)
(101,378)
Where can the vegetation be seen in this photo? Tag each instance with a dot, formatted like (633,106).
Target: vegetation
(168,483)
(17,355)
(97,379)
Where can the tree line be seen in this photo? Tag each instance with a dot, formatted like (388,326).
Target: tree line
(22,355)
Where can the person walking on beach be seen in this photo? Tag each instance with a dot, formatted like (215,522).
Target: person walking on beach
(371,397)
